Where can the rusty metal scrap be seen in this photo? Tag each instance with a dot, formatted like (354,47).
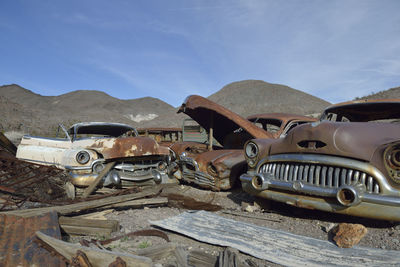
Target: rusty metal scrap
(16,240)
(128,147)
(23,181)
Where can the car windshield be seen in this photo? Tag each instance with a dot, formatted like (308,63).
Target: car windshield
(269,124)
(88,130)
(364,112)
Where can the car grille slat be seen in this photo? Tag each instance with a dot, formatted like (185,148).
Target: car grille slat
(317,175)
(320,175)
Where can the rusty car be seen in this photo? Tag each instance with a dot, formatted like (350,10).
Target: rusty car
(347,162)
(86,148)
(163,136)
(217,163)
(279,124)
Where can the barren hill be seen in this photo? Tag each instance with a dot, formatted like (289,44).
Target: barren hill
(390,93)
(83,105)
(255,96)
(26,111)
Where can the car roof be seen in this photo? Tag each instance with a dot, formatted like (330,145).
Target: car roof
(106,128)
(366,110)
(281,117)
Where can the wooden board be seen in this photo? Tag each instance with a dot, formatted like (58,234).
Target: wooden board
(96,256)
(274,245)
(91,204)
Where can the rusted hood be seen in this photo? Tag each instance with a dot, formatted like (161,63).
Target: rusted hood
(354,139)
(224,121)
(188,146)
(222,159)
(128,147)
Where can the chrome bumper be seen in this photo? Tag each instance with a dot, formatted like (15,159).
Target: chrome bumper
(347,195)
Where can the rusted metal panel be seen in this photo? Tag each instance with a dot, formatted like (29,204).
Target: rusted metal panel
(128,147)
(17,235)
(200,109)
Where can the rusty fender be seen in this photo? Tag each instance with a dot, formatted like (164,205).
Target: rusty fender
(112,148)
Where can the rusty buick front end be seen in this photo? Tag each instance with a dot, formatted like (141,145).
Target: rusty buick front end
(348,162)
(86,148)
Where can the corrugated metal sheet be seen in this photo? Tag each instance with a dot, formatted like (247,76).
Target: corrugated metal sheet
(274,245)
(17,235)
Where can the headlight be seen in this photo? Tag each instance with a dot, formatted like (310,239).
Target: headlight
(392,162)
(251,150)
(162,166)
(212,170)
(82,157)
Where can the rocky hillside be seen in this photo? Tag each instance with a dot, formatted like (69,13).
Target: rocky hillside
(254,96)
(26,111)
(390,93)
(38,114)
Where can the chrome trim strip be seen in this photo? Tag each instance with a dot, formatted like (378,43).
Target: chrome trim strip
(299,186)
(190,161)
(385,187)
(73,168)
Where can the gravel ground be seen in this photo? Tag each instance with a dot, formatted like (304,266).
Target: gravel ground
(316,224)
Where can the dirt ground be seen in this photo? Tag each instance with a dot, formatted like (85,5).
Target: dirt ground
(316,224)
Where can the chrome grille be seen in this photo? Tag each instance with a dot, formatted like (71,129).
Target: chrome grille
(198,178)
(320,175)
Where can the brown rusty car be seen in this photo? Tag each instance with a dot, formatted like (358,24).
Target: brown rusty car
(163,136)
(347,162)
(279,124)
(86,148)
(217,166)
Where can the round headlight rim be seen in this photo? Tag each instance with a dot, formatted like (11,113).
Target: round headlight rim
(255,152)
(82,157)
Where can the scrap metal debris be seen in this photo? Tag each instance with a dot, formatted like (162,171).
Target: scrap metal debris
(23,181)
(271,245)
(16,240)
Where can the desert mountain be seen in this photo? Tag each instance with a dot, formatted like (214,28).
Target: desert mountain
(390,93)
(82,105)
(26,111)
(255,96)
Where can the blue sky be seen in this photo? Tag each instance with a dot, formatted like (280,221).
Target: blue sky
(335,50)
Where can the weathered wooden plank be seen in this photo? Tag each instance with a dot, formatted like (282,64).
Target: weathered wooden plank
(71,221)
(274,245)
(201,259)
(181,257)
(67,209)
(157,252)
(93,185)
(137,203)
(97,257)
(81,230)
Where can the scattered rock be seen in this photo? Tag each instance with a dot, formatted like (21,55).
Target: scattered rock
(327,228)
(347,234)
(250,208)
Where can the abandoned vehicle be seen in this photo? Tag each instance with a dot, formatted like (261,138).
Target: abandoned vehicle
(279,124)
(347,162)
(87,148)
(163,136)
(217,163)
